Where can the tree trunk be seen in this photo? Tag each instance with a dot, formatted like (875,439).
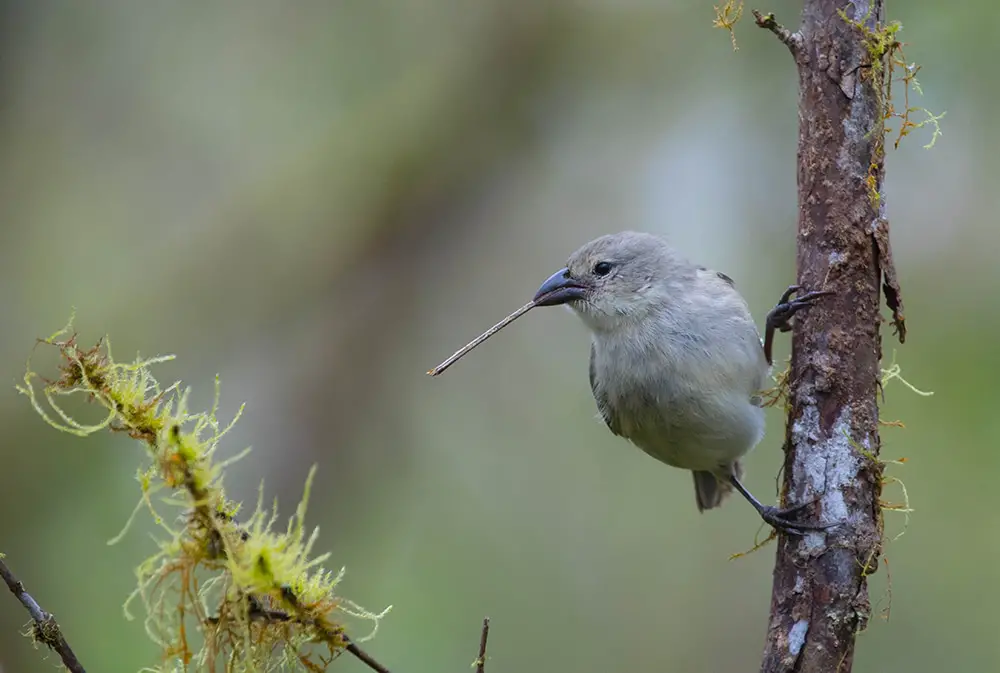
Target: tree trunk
(820,596)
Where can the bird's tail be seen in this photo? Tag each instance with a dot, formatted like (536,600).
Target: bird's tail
(710,491)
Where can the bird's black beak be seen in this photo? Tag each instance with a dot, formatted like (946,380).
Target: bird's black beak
(559,289)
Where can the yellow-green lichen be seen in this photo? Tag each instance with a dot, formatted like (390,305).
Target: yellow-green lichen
(726,18)
(779,391)
(218,593)
(891,373)
(885,62)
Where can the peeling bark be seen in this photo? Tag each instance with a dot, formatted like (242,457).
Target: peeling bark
(820,597)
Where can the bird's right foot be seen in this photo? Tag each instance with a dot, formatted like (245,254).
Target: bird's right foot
(779,318)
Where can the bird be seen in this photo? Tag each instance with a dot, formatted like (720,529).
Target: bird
(677,365)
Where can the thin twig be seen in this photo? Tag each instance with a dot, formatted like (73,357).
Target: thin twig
(787,37)
(461,352)
(45,627)
(363,656)
(481,660)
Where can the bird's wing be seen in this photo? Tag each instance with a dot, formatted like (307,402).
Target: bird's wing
(732,284)
(726,278)
(721,275)
(607,413)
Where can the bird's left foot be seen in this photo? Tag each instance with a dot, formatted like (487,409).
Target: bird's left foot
(783,519)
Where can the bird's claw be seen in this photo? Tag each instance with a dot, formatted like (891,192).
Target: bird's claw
(780,316)
(781,520)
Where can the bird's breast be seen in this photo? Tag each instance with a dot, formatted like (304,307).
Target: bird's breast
(674,405)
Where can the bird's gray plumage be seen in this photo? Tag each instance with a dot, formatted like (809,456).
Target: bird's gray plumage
(676,364)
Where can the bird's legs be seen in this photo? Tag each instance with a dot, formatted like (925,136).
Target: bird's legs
(778,518)
(778,317)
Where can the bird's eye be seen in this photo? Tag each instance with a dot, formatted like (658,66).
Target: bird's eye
(602,268)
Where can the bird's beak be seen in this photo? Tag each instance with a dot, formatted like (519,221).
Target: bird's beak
(559,289)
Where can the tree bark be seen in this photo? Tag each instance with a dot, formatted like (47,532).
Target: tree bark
(820,596)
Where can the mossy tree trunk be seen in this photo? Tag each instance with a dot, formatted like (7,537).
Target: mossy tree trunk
(820,595)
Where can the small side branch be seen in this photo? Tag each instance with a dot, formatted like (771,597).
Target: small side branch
(791,40)
(45,627)
(362,656)
(481,659)
(371,663)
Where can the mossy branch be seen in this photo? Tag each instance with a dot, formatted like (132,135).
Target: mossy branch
(885,53)
(258,596)
(767,21)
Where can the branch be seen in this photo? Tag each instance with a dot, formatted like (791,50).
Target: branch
(481,659)
(45,627)
(819,598)
(791,40)
(365,658)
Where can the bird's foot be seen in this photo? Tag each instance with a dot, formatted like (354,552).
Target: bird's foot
(779,317)
(784,519)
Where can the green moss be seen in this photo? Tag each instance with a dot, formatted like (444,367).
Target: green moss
(887,64)
(257,597)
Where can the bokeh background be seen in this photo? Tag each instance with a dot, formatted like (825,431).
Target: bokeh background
(320,200)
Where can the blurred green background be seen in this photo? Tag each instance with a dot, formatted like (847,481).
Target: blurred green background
(320,200)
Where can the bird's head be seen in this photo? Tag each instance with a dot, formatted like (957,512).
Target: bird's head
(615,280)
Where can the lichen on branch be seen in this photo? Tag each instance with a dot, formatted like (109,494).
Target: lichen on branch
(256,595)
(885,52)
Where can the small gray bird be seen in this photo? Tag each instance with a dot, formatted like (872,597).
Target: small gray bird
(677,366)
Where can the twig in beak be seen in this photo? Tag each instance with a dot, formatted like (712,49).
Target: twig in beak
(460,353)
